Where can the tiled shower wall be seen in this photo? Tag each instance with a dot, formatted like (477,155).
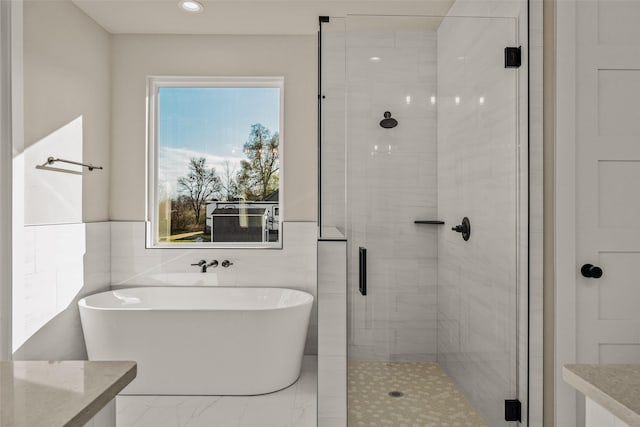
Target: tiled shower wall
(391,175)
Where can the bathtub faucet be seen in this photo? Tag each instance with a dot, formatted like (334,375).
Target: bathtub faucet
(203,264)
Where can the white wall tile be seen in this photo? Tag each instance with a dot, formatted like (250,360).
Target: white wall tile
(294,266)
(62,264)
(332,333)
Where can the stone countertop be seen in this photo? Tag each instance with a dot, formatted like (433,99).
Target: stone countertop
(57,394)
(614,387)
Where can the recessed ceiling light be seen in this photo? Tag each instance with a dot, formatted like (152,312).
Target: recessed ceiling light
(191,6)
(375,59)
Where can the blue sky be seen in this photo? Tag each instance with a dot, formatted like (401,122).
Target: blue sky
(215,120)
(209,122)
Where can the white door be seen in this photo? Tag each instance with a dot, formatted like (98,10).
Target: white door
(607,183)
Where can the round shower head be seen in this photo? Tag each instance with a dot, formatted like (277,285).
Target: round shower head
(388,122)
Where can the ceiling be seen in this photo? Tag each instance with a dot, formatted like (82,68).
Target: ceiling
(242,16)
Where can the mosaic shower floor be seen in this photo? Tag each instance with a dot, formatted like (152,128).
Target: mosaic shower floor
(429,397)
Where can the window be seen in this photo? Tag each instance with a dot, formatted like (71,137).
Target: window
(215,158)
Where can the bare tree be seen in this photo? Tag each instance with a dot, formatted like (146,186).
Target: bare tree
(199,185)
(228,182)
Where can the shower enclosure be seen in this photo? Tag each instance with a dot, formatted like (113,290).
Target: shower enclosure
(421,169)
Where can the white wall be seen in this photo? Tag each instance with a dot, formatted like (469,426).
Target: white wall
(66,113)
(57,257)
(137,56)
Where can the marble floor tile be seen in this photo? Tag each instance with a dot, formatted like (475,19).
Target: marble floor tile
(294,406)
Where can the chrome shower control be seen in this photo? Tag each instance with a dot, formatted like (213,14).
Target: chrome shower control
(226,263)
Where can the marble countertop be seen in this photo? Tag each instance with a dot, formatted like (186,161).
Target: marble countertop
(614,387)
(52,394)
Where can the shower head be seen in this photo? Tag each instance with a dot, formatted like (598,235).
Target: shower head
(388,122)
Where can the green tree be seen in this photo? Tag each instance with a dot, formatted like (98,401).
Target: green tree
(199,185)
(258,176)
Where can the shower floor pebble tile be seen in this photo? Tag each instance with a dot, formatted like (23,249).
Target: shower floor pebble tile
(294,406)
(430,398)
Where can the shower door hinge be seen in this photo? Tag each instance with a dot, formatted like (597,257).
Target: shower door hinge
(512,410)
(512,57)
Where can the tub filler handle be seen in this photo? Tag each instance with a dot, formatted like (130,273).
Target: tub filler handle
(203,264)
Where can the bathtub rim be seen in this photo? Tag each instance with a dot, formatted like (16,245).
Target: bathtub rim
(82,303)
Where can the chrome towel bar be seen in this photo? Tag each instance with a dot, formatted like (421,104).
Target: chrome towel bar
(52,160)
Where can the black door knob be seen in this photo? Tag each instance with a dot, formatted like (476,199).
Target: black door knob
(591,271)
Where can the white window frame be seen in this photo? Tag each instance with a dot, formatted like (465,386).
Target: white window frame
(154,83)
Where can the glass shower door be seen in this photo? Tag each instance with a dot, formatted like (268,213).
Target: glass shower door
(439,317)
(478,178)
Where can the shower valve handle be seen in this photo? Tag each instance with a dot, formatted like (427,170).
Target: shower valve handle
(464,228)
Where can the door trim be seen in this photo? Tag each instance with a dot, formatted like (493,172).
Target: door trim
(565,209)
(6,172)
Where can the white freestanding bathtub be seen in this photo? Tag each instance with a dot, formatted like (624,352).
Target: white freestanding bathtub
(200,341)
